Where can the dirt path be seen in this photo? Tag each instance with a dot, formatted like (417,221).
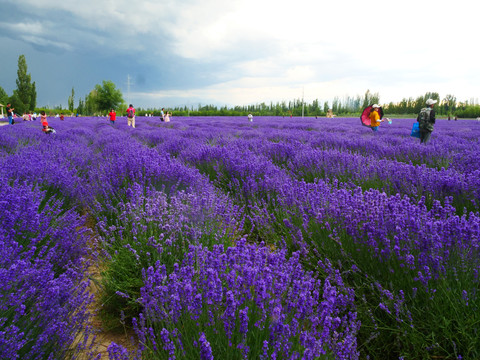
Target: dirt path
(103,337)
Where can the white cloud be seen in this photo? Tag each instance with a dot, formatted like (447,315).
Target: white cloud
(30,27)
(254,50)
(39,41)
(37,33)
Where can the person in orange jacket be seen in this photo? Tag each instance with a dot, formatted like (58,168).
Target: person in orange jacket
(375,117)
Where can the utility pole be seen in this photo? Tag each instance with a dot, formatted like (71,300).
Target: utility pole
(128,89)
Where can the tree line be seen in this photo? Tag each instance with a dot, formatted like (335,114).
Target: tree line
(347,106)
(106,96)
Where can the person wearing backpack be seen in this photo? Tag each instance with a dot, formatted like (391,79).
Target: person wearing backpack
(131,116)
(426,119)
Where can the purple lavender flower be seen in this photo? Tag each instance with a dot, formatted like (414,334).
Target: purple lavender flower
(205,348)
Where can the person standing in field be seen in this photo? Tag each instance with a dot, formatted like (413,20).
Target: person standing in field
(10,114)
(113,115)
(131,116)
(43,119)
(162,115)
(375,117)
(426,119)
(167,117)
(250,117)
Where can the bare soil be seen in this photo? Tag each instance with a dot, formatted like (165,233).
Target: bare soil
(104,338)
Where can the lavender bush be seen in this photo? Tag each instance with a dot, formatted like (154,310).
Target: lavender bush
(244,302)
(43,298)
(151,226)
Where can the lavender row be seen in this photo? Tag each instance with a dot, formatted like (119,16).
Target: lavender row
(43,298)
(244,301)
(389,176)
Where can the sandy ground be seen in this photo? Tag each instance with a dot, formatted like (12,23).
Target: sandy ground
(103,338)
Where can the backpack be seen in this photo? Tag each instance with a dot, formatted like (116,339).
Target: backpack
(424,116)
(130,113)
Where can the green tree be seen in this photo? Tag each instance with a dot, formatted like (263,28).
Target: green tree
(449,104)
(91,103)
(370,99)
(25,95)
(3,100)
(418,105)
(33,98)
(3,96)
(17,103)
(71,101)
(325,107)
(335,104)
(107,96)
(81,107)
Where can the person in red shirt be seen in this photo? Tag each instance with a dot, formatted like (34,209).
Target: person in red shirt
(131,116)
(113,116)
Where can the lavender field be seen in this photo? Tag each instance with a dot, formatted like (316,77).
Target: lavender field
(218,238)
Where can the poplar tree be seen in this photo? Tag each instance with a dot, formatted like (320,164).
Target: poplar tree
(370,99)
(80,107)
(71,101)
(25,95)
(33,97)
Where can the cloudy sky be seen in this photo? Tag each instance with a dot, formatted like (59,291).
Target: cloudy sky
(236,52)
